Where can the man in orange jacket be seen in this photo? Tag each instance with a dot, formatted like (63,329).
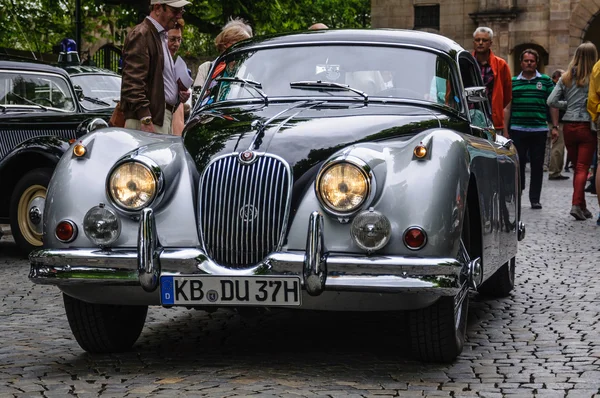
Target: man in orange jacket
(496,76)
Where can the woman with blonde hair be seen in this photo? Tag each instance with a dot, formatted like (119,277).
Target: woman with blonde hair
(570,94)
(235,30)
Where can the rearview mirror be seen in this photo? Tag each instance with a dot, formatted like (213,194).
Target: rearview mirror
(475,94)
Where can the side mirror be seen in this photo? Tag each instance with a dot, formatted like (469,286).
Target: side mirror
(79,92)
(475,94)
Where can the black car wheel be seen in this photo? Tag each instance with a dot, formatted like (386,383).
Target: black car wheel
(104,328)
(27,209)
(502,282)
(438,332)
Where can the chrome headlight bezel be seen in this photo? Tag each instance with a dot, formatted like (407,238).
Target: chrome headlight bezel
(364,169)
(155,171)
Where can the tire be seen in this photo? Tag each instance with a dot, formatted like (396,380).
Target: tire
(437,332)
(27,209)
(104,328)
(501,283)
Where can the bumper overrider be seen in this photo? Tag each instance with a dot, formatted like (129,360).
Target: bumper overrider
(318,270)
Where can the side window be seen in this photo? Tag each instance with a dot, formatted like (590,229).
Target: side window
(479,112)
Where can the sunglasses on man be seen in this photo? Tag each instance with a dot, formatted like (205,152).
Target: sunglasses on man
(175,11)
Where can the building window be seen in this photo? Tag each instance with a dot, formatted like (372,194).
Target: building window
(427,17)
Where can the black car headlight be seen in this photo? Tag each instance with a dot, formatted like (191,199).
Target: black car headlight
(132,186)
(343,187)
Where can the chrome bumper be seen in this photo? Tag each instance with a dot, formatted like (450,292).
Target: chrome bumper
(317,269)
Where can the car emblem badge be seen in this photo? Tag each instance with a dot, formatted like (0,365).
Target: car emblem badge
(248,212)
(247,156)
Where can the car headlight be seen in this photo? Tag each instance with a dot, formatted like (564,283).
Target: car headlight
(343,187)
(132,186)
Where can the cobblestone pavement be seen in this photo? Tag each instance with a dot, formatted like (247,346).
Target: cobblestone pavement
(542,341)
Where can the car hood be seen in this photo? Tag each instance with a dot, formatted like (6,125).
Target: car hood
(303,133)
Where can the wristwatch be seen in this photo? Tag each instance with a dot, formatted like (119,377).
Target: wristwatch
(146,120)
(554,127)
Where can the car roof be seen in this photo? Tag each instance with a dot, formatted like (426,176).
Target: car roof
(32,66)
(384,36)
(87,69)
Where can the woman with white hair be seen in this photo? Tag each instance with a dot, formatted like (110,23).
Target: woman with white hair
(236,29)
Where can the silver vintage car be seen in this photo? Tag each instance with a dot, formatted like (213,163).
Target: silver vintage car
(329,170)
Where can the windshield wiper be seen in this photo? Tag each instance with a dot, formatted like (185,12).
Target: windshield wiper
(96,101)
(29,101)
(255,85)
(318,84)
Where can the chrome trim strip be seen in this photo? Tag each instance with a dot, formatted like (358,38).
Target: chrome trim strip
(440,276)
(148,253)
(315,266)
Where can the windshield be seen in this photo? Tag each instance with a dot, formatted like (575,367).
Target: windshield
(375,71)
(36,91)
(99,91)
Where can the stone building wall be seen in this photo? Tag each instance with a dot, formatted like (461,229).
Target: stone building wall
(553,27)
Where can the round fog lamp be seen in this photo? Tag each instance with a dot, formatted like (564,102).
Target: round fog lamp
(371,230)
(101,225)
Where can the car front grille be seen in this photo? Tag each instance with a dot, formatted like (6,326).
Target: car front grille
(9,139)
(244,208)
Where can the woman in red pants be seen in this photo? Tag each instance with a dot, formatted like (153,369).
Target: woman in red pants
(570,94)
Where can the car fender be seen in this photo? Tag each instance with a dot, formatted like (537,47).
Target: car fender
(50,148)
(38,152)
(80,183)
(430,193)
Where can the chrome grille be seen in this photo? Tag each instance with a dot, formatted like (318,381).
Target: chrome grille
(244,209)
(9,139)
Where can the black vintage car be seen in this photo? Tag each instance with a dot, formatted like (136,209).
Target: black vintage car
(97,88)
(40,113)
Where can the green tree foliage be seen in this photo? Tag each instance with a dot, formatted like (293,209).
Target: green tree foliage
(38,25)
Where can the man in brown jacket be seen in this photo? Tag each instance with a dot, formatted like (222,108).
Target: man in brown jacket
(149,90)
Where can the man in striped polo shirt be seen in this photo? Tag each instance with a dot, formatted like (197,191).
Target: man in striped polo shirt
(526,118)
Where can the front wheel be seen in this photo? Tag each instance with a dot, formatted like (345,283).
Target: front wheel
(104,328)
(27,209)
(437,332)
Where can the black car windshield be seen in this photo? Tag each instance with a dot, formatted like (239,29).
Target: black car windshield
(99,91)
(35,91)
(378,72)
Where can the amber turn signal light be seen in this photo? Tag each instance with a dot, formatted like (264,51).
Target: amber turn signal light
(66,231)
(415,238)
(79,150)
(420,151)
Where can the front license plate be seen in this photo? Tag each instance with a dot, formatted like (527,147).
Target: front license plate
(231,290)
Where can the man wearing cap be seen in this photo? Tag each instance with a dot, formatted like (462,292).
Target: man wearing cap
(149,90)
